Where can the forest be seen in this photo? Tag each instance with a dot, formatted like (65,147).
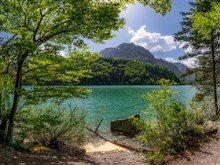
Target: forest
(111,71)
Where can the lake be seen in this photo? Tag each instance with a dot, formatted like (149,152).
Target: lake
(120,102)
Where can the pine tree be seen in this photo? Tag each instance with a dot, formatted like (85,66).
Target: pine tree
(204,50)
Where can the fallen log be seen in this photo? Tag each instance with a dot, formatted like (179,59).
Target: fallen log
(119,144)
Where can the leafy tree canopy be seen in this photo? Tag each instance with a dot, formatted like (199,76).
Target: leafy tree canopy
(204,32)
(206,22)
(38,29)
(65,21)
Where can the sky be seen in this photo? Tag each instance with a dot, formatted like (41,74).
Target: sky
(153,31)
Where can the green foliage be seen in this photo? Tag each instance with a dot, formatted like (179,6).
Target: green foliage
(207,22)
(204,109)
(5,91)
(39,30)
(55,69)
(49,125)
(200,33)
(160,6)
(215,118)
(38,21)
(44,71)
(168,128)
(110,71)
(155,157)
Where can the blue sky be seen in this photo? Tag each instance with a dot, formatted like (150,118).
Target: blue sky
(146,28)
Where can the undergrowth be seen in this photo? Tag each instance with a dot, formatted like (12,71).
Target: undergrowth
(169,127)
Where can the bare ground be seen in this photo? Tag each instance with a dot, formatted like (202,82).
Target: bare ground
(70,156)
(208,154)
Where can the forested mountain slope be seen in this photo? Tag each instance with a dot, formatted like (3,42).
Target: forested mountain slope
(113,71)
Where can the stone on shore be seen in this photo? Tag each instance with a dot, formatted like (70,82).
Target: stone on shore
(125,127)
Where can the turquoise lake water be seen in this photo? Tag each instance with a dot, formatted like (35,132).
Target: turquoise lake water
(119,102)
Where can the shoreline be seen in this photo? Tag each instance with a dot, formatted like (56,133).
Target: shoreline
(111,143)
(102,147)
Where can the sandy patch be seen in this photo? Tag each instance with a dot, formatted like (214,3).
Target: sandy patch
(102,147)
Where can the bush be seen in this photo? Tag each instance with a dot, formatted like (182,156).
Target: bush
(168,128)
(51,126)
(203,108)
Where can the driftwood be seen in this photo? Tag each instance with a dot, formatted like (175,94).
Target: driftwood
(117,143)
(96,130)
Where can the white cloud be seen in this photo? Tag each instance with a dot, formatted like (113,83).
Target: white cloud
(171,60)
(188,62)
(154,42)
(186,50)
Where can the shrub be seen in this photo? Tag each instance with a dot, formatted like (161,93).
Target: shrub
(51,126)
(204,108)
(169,127)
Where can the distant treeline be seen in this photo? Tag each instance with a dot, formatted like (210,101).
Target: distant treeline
(111,71)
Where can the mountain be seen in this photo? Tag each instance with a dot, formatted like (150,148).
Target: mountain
(130,52)
(134,52)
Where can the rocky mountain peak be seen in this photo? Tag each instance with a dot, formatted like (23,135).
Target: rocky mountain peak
(131,51)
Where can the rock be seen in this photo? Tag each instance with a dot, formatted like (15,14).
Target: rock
(211,127)
(125,127)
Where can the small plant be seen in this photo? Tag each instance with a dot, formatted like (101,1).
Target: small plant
(52,126)
(169,127)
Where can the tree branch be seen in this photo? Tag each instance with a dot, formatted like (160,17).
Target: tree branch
(46,38)
(38,25)
(56,26)
(26,25)
(39,68)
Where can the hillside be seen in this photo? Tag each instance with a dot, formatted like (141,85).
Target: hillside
(131,51)
(113,71)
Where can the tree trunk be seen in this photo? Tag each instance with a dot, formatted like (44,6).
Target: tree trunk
(16,97)
(3,129)
(214,75)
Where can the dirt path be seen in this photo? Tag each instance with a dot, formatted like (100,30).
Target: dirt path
(209,154)
(119,158)
(68,155)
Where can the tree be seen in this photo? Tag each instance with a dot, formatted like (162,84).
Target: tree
(204,49)
(42,27)
(207,24)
